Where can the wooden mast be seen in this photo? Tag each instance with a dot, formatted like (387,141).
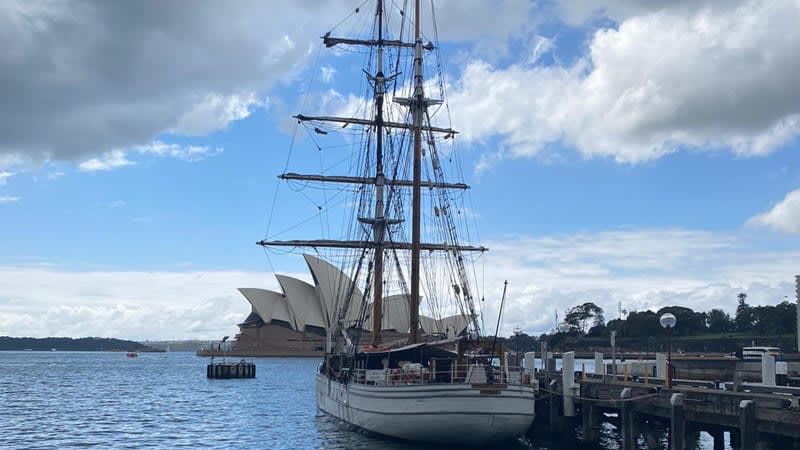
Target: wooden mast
(379,227)
(418,103)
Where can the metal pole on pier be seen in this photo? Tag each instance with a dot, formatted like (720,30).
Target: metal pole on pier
(613,353)
(668,322)
(797,307)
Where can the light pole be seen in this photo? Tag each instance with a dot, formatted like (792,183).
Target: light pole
(668,322)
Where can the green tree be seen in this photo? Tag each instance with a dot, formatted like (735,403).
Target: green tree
(719,321)
(597,331)
(581,316)
(689,321)
(641,324)
(522,342)
(772,320)
(617,325)
(744,314)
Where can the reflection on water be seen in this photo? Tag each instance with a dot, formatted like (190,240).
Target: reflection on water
(105,400)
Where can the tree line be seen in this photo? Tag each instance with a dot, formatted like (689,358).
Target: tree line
(588,320)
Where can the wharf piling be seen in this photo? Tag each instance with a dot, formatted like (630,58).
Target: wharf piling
(227,370)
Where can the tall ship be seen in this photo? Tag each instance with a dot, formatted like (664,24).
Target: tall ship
(405,354)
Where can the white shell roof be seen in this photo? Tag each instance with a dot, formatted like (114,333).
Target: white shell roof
(303,302)
(451,326)
(395,314)
(268,304)
(332,286)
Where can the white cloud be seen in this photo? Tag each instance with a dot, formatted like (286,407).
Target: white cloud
(215,112)
(643,269)
(784,216)
(327,73)
(10,160)
(541,46)
(478,20)
(116,159)
(9,199)
(4,176)
(190,153)
(108,161)
(38,301)
(578,12)
(68,98)
(710,78)
(640,268)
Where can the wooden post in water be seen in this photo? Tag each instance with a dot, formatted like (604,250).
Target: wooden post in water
(590,422)
(736,439)
(677,428)
(652,433)
(747,424)
(555,422)
(627,426)
(719,439)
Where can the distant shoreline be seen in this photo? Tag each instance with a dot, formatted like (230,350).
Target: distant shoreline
(87,344)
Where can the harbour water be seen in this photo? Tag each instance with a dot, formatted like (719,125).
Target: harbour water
(56,400)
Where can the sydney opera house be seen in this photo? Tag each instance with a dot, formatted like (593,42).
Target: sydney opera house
(294,322)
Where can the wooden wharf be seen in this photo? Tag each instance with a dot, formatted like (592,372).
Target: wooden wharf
(757,416)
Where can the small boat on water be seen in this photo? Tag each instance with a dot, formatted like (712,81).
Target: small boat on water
(132,355)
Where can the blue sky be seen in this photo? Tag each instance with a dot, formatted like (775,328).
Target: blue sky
(631,170)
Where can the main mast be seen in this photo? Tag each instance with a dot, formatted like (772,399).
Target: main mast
(379,226)
(417,111)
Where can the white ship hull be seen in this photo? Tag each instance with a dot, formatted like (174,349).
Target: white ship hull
(458,413)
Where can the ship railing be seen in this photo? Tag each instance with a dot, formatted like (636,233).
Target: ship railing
(414,375)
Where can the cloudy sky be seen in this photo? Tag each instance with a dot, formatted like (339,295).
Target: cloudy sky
(631,152)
